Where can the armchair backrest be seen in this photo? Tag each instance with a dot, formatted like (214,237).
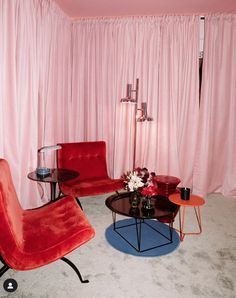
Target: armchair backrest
(87,158)
(11,213)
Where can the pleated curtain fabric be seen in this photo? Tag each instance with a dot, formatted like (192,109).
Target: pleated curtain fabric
(163,53)
(35,86)
(215,167)
(62,81)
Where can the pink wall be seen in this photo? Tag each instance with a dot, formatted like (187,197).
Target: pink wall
(92,8)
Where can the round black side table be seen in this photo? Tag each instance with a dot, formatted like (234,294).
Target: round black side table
(56,176)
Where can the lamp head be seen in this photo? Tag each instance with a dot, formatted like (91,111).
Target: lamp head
(144,116)
(142,119)
(128,98)
(49,148)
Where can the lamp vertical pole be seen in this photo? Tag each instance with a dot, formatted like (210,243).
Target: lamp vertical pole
(135,121)
(143,109)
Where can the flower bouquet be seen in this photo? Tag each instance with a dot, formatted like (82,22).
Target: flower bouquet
(139,182)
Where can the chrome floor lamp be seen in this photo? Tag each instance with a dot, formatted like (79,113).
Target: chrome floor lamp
(143,109)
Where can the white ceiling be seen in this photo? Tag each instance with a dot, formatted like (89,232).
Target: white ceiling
(92,8)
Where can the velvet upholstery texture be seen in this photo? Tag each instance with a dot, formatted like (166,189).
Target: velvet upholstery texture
(89,159)
(33,238)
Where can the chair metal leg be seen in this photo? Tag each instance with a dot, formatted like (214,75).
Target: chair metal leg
(4,269)
(78,201)
(72,265)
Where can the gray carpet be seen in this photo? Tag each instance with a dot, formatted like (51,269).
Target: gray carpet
(202,266)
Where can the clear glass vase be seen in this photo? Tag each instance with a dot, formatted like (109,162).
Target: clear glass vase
(147,204)
(134,199)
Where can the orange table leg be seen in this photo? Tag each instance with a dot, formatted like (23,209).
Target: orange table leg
(182,220)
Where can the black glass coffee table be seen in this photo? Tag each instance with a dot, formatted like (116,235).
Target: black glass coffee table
(162,210)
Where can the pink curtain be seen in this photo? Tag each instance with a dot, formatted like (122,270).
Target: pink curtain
(176,104)
(62,81)
(215,168)
(163,53)
(35,86)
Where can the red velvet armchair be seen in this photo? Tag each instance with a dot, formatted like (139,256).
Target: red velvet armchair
(89,159)
(32,238)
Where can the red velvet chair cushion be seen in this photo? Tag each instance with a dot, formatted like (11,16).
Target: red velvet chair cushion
(89,159)
(33,238)
(91,187)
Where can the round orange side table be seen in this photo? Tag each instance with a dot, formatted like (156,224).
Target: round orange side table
(194,202)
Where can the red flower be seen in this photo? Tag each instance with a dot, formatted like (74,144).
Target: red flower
(150,190)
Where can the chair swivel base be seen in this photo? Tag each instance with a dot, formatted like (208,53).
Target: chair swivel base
(5,268)
(72,265)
